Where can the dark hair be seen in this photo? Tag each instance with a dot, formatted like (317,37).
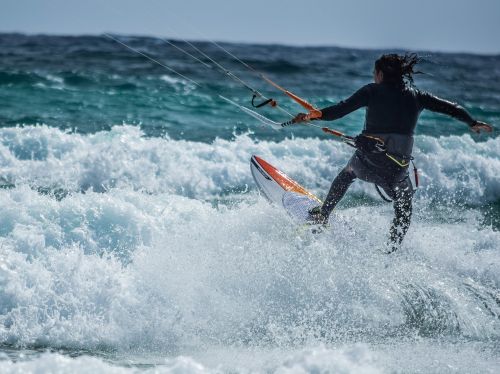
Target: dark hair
(397,69)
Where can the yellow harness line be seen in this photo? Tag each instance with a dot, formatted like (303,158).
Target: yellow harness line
(399,163)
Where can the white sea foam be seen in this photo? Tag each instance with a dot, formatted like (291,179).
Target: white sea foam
(415,357)
(355,360)
(452,168)
(172,80)
(151,266)
(57,363)
(181,85)
(127,269)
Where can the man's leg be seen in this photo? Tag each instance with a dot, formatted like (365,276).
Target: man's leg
(338,189)
(402,195)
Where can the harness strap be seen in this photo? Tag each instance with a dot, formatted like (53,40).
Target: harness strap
(415,173)
(381,195)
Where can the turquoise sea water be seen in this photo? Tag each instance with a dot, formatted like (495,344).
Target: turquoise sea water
(132,237)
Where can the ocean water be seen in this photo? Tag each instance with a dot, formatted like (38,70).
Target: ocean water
(133,239)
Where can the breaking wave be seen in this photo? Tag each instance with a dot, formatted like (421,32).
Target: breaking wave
(165,246)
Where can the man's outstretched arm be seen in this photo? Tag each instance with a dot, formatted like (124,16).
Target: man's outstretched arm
(436,104)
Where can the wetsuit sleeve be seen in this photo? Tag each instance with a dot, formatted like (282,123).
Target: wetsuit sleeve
(358,100)
(436,104)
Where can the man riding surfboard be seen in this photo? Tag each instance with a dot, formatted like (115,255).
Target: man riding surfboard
(385,145)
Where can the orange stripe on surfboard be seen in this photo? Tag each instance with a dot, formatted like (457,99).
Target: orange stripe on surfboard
(287,183)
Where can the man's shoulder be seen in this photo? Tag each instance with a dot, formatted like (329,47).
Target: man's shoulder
(368,89)
(371,86)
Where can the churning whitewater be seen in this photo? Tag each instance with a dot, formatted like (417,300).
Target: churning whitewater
(140,242)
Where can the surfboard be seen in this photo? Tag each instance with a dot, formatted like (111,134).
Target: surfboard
(282,190)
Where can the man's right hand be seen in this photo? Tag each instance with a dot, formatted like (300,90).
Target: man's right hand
(303,117)
(478,126)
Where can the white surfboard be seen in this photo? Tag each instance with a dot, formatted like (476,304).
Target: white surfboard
(282,190)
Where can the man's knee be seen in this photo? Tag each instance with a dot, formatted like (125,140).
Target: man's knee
(403,191)
(337,190)
(347,174)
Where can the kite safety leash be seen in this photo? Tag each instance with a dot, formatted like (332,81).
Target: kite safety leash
(271,102)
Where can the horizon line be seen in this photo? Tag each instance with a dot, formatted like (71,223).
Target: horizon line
(283,44)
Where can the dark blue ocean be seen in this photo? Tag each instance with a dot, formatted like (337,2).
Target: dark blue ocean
(133,238)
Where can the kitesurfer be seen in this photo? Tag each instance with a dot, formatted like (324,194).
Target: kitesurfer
(384,147)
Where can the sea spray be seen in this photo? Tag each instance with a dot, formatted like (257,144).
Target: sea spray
(132,237)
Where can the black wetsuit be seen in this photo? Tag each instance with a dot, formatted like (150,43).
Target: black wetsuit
(391,114)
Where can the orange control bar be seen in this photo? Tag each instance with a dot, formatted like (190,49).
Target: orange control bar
(333,132)
(299,100)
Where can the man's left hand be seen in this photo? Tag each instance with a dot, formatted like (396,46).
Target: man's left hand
(479,126)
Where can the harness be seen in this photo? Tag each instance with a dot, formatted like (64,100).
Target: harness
(369,144)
